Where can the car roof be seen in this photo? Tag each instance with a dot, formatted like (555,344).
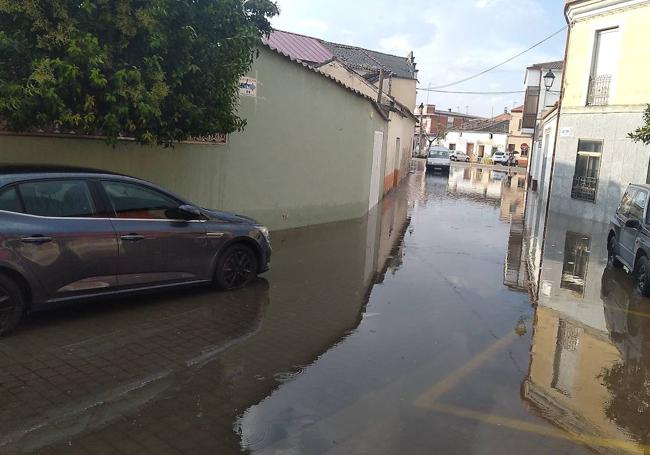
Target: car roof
(12,173)
(48,169)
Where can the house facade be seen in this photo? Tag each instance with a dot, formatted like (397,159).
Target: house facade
(605,92)
(480,137)
(537,100)
(435,120)
(518,141)
(389,79)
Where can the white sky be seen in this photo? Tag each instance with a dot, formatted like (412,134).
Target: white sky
(451,39)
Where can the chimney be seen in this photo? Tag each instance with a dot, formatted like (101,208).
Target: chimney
(449,109)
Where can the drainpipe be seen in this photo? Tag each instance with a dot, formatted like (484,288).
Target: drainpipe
(557,135)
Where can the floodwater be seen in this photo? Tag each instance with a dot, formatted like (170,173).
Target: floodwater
(429,326)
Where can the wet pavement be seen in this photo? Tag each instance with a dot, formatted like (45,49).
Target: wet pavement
(413,330)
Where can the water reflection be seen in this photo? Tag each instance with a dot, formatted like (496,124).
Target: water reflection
(590,356)
(142,374)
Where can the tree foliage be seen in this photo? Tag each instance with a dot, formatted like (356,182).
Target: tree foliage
(642,134)
(156,70)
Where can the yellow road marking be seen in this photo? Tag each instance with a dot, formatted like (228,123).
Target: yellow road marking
(429,400)
(431,396)
(542,430)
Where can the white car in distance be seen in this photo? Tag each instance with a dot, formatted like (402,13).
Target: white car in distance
(438,159)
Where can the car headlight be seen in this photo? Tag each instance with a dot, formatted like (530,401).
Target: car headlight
(265,232)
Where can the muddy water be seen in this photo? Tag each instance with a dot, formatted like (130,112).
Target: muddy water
(411,330)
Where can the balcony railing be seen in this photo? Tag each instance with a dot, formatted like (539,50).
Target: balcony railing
(584,188)
(598,94)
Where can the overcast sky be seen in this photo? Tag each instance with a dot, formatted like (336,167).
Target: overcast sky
(451,39)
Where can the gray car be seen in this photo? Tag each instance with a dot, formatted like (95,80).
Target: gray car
(69,234)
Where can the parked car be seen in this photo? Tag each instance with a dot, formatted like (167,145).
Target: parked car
(459,155)
(71,233)
(438,158)
(628,241)
(505,158)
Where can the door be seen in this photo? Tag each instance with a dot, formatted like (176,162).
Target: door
(469,148)
(375,176)
(481,150)
(627,236)
(155,245)
(65,238)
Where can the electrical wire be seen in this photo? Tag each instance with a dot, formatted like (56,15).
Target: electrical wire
(502,63)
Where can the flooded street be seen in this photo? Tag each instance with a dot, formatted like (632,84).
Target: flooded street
(412,330)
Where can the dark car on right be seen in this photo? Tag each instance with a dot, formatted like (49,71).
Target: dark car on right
(628,241)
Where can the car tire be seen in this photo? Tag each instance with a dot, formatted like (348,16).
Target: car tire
(612,261)
(12,304)
(236,267)
(642,275)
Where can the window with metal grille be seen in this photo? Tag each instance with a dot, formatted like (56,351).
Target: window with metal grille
(585,177)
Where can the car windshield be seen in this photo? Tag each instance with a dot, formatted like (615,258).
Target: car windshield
(438,154)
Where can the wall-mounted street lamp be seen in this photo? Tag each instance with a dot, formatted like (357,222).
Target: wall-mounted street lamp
(549,78)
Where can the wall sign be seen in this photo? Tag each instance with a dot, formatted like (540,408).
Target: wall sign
(565,131)
(247,86)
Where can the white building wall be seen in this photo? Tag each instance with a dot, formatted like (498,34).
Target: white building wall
(462,138)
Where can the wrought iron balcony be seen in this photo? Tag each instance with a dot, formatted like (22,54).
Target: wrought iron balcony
(584,188)
(598,94)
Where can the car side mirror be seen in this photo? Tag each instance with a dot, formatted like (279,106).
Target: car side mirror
(189,212)
(633,223)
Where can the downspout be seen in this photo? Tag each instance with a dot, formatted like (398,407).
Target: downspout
(557,135)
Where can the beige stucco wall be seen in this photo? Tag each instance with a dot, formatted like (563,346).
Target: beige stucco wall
(304,158)
(398,161)
(629,86)
(403,90)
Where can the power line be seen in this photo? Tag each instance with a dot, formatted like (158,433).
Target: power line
(502,63)
(472,93)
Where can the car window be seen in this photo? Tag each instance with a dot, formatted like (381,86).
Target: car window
(626,202)
(57,198)
(439,154)
(638,205)
(9,200)
(138,202)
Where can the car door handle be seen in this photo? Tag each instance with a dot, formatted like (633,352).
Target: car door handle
(132,237)
(38,239)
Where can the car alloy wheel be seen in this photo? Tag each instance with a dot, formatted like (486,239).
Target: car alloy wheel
(237,267)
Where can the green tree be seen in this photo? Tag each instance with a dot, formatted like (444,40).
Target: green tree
(156,70)
(642,134)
